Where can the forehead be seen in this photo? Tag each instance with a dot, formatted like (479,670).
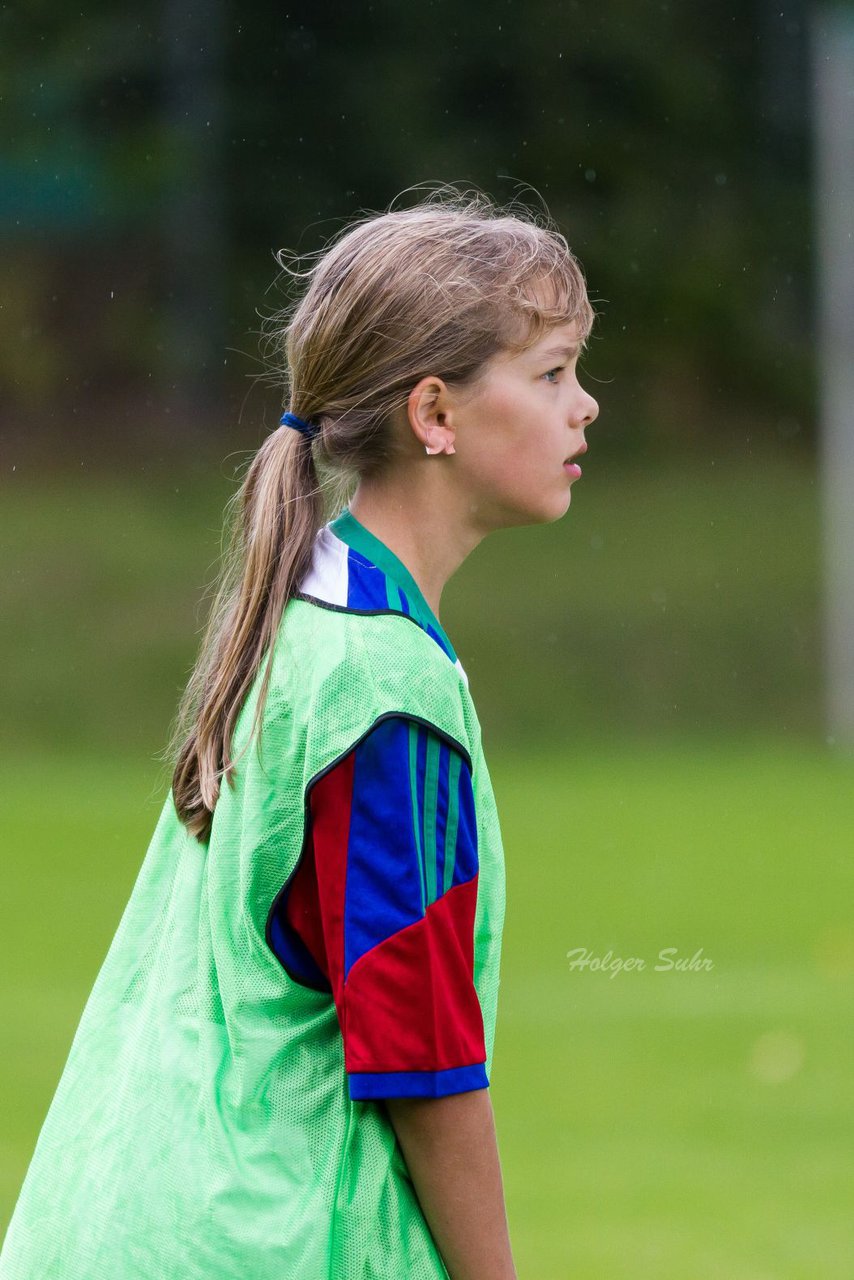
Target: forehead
(559,342)
(561,337)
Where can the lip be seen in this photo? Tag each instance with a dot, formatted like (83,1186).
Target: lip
(572,468)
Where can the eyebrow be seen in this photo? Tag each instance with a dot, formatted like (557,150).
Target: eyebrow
(561,351)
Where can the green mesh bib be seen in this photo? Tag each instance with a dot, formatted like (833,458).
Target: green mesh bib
(202,1128)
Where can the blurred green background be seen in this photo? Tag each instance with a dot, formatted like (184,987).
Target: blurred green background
(648,671)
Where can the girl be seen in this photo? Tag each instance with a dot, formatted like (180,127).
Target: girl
(282,1070)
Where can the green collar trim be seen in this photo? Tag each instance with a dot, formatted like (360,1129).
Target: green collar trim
(353,532)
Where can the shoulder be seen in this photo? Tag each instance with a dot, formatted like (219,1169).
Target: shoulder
(359,665)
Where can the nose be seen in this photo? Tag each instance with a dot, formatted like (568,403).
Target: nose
(587,412)
(591,408)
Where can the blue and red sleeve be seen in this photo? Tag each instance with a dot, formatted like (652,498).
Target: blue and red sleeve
(380,912)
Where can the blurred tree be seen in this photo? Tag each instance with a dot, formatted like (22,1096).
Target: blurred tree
(655,133)
(196,257)
(169,154)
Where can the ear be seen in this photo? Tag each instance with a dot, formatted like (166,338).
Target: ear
(429,411)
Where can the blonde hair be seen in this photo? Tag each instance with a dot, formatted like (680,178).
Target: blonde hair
(439,288)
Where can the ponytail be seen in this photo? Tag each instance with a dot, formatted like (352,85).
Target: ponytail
(275,516)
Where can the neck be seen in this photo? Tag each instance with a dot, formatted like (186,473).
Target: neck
(424,535)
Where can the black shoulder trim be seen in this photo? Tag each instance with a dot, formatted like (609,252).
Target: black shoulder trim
(371,613)
(394,715)
(344,608)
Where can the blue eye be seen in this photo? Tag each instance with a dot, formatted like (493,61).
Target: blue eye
(557,369)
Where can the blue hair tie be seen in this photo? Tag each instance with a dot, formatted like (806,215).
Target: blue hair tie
(309,429)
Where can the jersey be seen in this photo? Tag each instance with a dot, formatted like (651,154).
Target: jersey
(336,941)
(393,834)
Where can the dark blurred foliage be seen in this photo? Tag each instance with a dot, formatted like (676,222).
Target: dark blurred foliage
(155,157)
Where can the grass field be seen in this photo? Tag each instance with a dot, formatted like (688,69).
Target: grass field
(671,599)
(648,676)
(652,1124)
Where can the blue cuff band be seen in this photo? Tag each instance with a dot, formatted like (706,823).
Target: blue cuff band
(417,1084)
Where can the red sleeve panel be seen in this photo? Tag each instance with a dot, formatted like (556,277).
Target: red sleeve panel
(380,911)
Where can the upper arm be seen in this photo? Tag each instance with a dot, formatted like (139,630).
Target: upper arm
(383,909)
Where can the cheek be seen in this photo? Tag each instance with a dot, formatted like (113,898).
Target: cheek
(504,423)
(505,451)
(505,467)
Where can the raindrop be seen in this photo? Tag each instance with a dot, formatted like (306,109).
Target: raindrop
(777,1056)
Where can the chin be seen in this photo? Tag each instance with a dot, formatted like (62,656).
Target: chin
(515,511)
(544,514)
(558,507)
